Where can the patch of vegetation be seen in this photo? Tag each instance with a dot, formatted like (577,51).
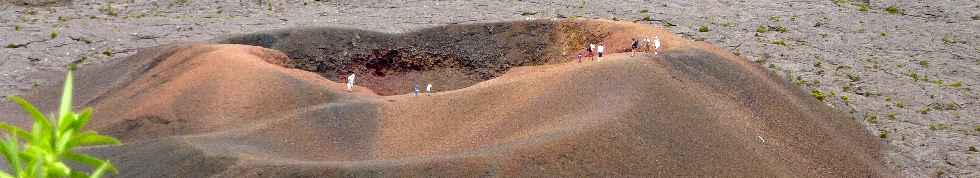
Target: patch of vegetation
(853,77)
(871,118)
(973,149)
(761,29)
(938,126)
(182,2)
(703,29)
(893,10)
(15,45)
(975,17)
(107,9)
(647,18)
(883,34)
(863,7)
(883,134)
(781,29)
(924,110)
(779,42)
(944,107)
(845,99)
(54,34)
(644,11)
(48,145)
(841,2)
(956,84)
(891,116)
(107,52)
(17,28)
(817,94)
(924,63)
(528,13)
(915,76)
(948,40)
(774,18)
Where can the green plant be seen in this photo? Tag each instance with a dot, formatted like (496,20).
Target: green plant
(973,149)
(774,18)
(956,84)
(844,98)
(779,42)
(644,11)
(528,13)
(647,18)
(883,34)
(781,29)
(883,134)
(924,63)
(938,126)
(924,110)
(853,77)
(893,10)
(978,128)
(703,29)
(975,17)
(182,2)
(891,116)
(871,118)
(762,29)
(49,144)
(817,94)
(899,104)
(109,10)
(863,7)
(948,40)
(841,2)
(107,52)
(17,28)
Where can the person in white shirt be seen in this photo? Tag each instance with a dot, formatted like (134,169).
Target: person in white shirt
(600,50)
(350,83)
(656,44)
(428,89)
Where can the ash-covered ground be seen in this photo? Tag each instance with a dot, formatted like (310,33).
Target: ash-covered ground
(907,69)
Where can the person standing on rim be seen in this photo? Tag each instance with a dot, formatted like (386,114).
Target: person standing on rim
(350,83)
(599,50)
(634,46)
(428,89)
(656,44)
(416,89)
(590,50)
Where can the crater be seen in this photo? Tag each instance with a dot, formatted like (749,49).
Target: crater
(450,57)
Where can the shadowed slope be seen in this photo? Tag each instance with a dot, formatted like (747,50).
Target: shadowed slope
(193,110)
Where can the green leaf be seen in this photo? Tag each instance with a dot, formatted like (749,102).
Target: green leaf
(58,169)
(90,138)
(9,149)
(101,170)
(64,123)
(89,161)
(35,114)
(14,130)
(62,145)
(82,119)
(5,175)
(66,95)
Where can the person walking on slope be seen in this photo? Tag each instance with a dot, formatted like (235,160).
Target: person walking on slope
(579,57)
(428,89)
(350,83)
(634,47)
(599,50)
(656,44)
(591,49)
(416,89)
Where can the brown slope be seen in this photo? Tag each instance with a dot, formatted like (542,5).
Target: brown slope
(227,110)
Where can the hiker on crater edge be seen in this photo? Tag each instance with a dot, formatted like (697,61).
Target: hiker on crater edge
(634,47)
(599,50)
(656,44)
(416,89)
(350,83)
(591,50)
(428,89)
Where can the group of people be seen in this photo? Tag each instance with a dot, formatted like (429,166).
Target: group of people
(595,52)
(351,77)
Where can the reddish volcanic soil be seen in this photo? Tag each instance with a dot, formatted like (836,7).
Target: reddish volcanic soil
(225,110)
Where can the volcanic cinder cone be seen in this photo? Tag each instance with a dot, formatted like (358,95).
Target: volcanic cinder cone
(225,110)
